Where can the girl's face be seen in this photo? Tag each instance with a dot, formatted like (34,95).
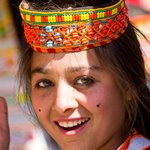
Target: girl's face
(77,101)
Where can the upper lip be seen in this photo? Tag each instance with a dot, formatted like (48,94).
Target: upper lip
(68,123)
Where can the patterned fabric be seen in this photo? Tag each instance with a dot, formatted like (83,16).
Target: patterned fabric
(70,16)
(135,142)
(50,32)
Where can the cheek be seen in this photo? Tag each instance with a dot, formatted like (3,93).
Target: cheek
(97,96)
(41,103)
(107,106)
(104,97)
(91,100)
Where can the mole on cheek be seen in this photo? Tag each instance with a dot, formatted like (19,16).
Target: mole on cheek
(39,110)
(98,105)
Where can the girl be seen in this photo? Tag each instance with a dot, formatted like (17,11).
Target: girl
(84,74)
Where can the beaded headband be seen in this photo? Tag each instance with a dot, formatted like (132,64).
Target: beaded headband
(73,30)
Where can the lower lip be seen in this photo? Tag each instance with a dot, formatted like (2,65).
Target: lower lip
(73,132)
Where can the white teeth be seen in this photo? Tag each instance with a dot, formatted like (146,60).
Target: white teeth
(64,124)
(70,124)
(80,121)
(75,123)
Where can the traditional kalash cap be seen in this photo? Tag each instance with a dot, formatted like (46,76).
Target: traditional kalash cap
(73,29)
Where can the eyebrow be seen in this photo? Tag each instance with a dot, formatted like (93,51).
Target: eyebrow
(70,69)
(39,70)
(80,68)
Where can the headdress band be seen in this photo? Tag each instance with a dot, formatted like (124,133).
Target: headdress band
(74,30)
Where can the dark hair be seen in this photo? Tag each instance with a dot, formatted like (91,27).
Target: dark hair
(123,57)
(59,4)
(125,60)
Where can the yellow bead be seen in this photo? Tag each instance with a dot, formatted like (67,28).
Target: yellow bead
(98,15)
(65,18)
(114,11)
(122,5)
(102,14)
(49,19)
(70,18)
(28,17)
(88,16)
(84,17)
(53,19)
(37,18)
(81,16)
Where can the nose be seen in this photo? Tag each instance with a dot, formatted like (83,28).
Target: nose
(64,98)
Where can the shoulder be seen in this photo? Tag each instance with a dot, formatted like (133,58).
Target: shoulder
(139,142)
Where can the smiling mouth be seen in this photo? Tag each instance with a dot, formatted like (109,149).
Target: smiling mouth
(72,125)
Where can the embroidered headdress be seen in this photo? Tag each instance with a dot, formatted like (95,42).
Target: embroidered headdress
(73,30)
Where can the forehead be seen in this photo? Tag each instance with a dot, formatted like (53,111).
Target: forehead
(64,59)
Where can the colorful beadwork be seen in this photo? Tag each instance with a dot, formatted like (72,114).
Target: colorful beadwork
(75,35)
(70,16)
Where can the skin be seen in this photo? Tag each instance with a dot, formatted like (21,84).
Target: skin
(4,128)
(78,89)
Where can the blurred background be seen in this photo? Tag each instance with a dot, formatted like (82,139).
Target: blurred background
(24,134)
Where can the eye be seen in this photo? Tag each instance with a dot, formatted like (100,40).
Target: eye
(44,84)
(84,81)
